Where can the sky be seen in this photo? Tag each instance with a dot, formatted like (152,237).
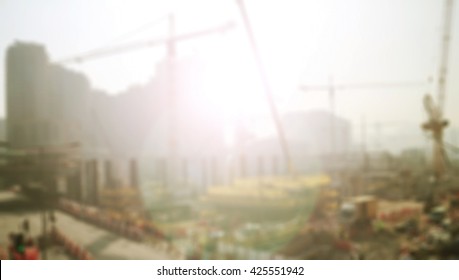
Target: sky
(301,43)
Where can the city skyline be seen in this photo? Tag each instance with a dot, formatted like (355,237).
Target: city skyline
(229,130)
(319,47)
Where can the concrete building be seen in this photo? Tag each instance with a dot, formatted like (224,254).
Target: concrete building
(28,95)
(47,105)
(50,107)
(316,141)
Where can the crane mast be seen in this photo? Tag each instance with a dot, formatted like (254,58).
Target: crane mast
(333,88)
(443,70)
(436,124)
(170,42)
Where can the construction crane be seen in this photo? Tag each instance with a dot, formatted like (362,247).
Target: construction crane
(333,88)
(436,122)
(267,89)
(170,42)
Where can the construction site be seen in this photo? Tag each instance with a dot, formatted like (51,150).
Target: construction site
(218,153)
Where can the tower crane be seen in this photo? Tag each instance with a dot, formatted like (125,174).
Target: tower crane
(333,88)
(436,122)
(170,42)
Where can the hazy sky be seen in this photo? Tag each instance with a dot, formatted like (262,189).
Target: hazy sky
(302,42)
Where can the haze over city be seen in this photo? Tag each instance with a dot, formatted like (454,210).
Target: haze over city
(301,43)
(229,130)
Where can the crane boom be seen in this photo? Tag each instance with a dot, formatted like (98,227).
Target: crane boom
(267,88)
(99,53)
(361,86)
(170,43)
(333,88)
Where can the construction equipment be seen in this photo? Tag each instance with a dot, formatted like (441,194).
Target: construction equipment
(436,123)
(169,41)
(267,89)
(332,88)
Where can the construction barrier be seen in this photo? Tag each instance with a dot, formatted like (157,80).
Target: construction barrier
(102,219)
(3,254)
(73,249)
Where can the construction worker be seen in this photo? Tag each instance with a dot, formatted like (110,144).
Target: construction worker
(26,226)
(17,246)
(31,251)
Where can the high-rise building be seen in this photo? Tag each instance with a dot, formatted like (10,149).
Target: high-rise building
(47,105)
(51,106)
(316,140)
(47,118)
(28,95)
